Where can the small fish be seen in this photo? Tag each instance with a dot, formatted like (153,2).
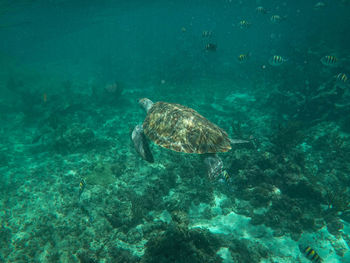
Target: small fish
(276,60)
(243,57)
(210,47)
(341,80)
(310,254)
(183,29)
(82,185)
(206,33)
(261,10)
(276,19)
(44,97)
(226,175)
(329,61)
(342,77)
(243,24)
(319,5)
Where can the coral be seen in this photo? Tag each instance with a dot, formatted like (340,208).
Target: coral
(115,89)
(4,158)
(338,201)
(287,136)
(279,183)
(298,187)
(179,244)
(122,255)
(334,226)
(284,102)
(101,174)
(244,250)
(180,218)
(300,215)
(74,139)
(132,208)
(86,258)
(257,219)
(5,237)
(110,94)
(345,216)
(119,215)
(258,196)
(333,143)
(266,161)
(340,246)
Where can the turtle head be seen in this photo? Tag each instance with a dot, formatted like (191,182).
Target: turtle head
(146,104)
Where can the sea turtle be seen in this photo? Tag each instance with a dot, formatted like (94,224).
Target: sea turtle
(181,129)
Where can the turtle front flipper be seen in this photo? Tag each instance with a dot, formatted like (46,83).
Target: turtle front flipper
(214,165)
(141,143)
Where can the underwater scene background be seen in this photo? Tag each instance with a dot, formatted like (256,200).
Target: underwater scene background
(272,74)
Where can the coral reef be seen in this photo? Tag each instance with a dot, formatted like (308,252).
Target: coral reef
(244,250)
(287,136)
(281,189)
(75,139)
(179,244)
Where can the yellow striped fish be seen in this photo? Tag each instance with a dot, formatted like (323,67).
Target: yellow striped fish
(206,33)
(319,5)
(341,80)
(244,24)
(329,60)
(276,60)
(261,10)
(243,57)
(226,175)
(82,185)
(310,254)
(210,47)
(276,19)
(341,77)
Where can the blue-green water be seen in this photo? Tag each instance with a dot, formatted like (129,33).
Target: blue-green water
(273,74)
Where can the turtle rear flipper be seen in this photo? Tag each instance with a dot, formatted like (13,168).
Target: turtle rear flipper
(141,143)
(214,165)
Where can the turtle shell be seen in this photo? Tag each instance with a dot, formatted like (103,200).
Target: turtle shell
(182,129)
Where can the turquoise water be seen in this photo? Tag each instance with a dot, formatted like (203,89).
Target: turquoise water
(271,74)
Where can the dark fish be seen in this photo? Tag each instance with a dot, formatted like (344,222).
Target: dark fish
(310,254)
(210,47)
(329,60)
